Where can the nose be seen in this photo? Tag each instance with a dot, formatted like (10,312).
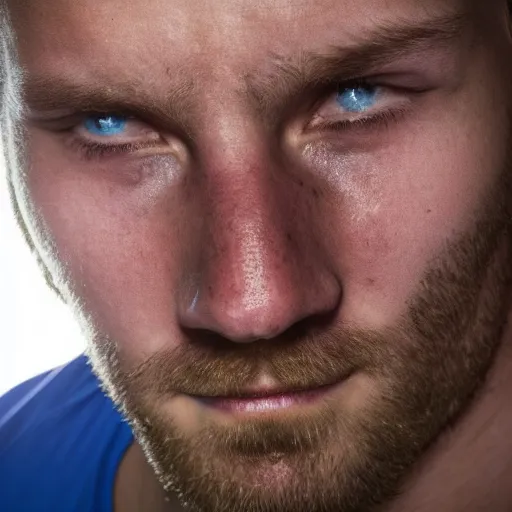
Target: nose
(259,264)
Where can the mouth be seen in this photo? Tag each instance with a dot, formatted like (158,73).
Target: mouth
(265,400)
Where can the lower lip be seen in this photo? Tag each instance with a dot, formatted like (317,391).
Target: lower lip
(267,403)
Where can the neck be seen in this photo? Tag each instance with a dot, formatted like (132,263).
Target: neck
(469,468)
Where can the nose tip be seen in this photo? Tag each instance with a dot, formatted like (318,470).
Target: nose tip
(262,319)
(236,324)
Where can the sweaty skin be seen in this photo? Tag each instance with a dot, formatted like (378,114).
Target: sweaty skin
(239,237)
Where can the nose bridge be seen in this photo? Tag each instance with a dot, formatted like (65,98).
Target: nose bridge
(247,213)
(247,262)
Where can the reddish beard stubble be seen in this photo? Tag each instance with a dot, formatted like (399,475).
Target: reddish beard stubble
(428,368)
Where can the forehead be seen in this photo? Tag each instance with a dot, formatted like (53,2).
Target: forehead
(163,35)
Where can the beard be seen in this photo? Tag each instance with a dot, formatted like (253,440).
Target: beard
(425,372)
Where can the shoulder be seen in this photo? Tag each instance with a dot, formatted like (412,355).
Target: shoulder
(61,440)
(39,394)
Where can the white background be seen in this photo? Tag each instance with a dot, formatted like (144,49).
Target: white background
(37,332)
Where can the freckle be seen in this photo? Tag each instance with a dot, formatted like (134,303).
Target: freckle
(370,281)
(301,183)
(289,237)
(429,211)
(315,192)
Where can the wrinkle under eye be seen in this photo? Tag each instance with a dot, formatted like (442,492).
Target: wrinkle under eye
(357,99)
(106,125)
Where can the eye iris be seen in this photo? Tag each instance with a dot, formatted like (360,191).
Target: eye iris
(357,99)
(105,125)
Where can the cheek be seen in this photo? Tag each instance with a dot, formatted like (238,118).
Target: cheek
(118,235)
(396,208)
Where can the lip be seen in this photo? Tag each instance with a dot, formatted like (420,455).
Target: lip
(263,401)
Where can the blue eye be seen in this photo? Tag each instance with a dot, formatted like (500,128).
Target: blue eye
(357,99)
(105,125)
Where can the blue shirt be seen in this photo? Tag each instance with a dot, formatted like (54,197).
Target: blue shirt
(61,442)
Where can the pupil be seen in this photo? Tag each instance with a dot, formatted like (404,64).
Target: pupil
(107,123)
(357,99)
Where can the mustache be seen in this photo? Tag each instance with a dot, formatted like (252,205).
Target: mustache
(217,368)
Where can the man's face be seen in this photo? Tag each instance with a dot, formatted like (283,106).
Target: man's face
(285,193)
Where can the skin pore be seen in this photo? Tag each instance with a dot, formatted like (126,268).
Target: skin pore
(244,224)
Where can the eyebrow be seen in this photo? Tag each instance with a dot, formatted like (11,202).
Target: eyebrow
(378,47)
(289,77)
(43,94)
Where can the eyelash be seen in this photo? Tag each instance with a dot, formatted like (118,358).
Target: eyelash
(96,150)
(379,120)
